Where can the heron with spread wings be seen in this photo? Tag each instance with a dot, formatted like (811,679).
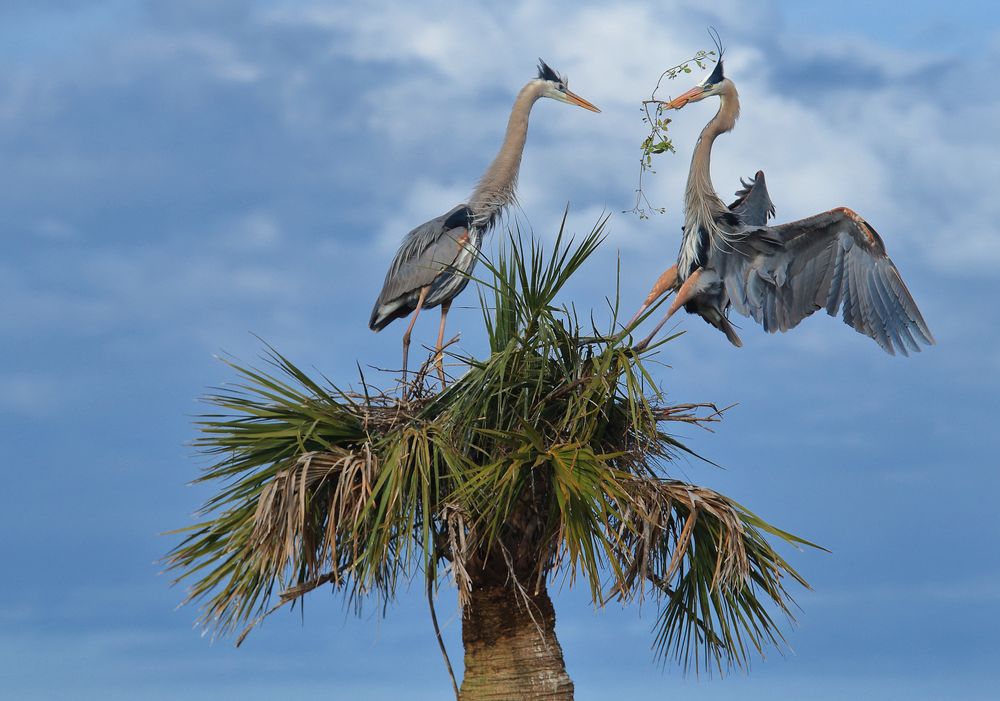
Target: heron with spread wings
(777,275)
(435,260)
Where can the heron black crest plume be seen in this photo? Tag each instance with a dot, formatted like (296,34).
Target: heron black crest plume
(717,75)
(546,72)
(717,40)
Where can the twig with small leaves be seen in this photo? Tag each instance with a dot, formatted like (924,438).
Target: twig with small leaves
(658,141)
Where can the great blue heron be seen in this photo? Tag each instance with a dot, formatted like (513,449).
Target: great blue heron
(434,261)
(778,275)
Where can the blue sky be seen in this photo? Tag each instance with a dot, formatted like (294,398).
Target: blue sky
(176,177)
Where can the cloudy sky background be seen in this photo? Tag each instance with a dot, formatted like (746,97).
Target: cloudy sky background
(175,177)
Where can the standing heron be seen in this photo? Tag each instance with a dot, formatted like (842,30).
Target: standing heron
(433,264)
(778,275)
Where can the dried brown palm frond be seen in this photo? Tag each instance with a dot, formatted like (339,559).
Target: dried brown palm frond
(548,459)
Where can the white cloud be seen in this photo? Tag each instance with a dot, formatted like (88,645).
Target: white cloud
(31,394)
(220,56)
(873,148)
(55,229)
(431,114)
(255,230)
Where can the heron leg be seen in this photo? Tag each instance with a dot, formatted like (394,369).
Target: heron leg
(439,357)
(666,281)
(406,336)
(684,295)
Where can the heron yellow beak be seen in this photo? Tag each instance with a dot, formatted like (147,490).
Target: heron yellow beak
(693,95)
(574,99)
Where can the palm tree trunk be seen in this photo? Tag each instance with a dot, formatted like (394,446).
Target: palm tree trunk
(511,650)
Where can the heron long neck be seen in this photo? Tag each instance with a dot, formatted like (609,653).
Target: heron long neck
(702,206)
(497,188)
(700,194)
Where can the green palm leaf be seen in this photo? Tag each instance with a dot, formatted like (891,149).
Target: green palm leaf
(548,459)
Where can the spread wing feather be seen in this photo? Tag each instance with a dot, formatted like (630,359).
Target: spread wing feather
(834,261)
(753,205)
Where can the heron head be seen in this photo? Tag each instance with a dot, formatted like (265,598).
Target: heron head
(714,84)
(557,87)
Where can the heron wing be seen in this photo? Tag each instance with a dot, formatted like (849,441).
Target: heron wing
(426,252)
(753,205)
(834,261)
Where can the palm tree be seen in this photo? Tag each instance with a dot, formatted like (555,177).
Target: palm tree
(547,460)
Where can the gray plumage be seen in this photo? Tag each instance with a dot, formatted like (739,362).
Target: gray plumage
(753,205)
(434,261)
(433,254)
(778,275)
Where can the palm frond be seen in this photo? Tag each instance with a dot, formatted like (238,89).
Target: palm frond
(549,458)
